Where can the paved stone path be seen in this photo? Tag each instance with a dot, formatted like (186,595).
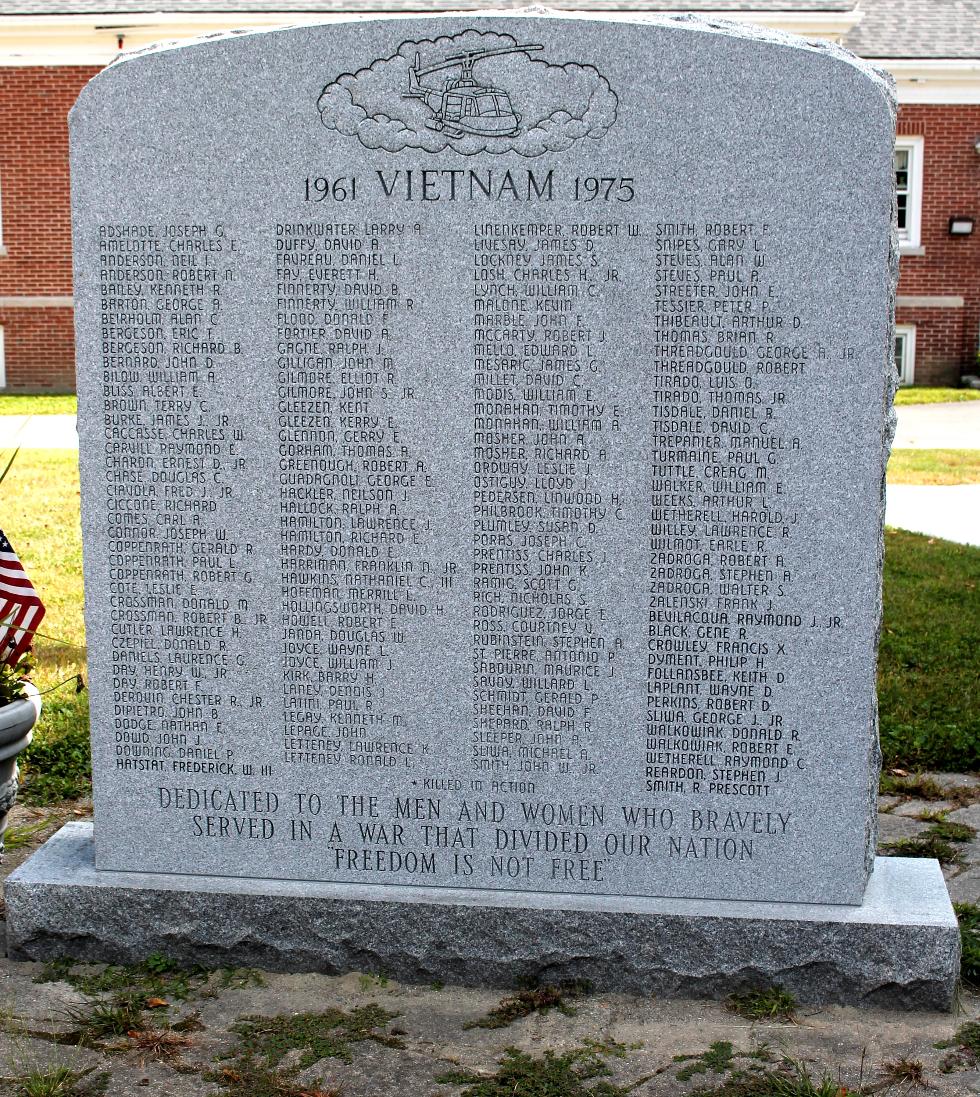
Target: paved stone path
(938,426)
(38,432)
(951,512)
(376,1038)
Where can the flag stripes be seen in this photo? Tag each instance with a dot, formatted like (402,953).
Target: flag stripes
(21,609)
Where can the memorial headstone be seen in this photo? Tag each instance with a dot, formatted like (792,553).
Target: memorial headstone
(483,429)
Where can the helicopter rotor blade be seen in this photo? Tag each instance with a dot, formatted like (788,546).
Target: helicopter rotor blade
(474,56)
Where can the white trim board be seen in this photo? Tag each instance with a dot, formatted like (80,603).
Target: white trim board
(37,301)
(929,302)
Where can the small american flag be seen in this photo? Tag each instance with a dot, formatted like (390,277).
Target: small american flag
(20,608)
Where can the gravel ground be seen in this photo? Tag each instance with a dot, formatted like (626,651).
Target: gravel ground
(370,1037)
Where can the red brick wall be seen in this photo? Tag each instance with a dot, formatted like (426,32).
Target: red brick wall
(34,105)
(942,341)
(946,338)
(39,349)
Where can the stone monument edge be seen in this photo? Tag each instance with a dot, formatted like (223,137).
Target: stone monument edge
(900,949)
(693,23)
(878,80)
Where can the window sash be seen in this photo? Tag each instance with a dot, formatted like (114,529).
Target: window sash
(907,169)
(905,354)
(902,173)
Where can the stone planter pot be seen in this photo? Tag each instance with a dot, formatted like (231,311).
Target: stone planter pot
(17,722)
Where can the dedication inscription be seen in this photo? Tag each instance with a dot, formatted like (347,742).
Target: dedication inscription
(483,430)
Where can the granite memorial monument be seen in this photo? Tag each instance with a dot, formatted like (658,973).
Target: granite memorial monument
(483,430)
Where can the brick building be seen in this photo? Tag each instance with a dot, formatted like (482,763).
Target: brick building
(50,48)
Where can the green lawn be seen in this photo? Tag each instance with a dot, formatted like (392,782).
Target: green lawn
(38,405)
(920,394)
(928,666)
(934,466)
(928,681)
(40,516)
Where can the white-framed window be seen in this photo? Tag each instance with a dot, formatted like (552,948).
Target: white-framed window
(3,362)
(908,190)
(905,353)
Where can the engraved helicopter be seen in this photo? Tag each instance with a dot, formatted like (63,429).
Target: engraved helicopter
(462,106)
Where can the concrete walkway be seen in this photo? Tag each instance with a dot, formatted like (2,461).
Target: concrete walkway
(38,432)
(952,512)
(949,512)
(938,426)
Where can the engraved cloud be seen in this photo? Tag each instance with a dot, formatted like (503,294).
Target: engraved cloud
(558,104)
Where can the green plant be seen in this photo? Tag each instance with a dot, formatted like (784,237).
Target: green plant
(254,1068)
(60,1081)
(526,1002)
(12,679)
(930,816)
(326,1035)
(916,786)
(788,1079)
(371,982)
(156,977)
(58,764)
(253,1080)
(949,831)
(934,842)
(968,915)
(770,1004)
(904,1072)
(18,837)
(239,978)
(579,1073)
(718,1058)
(158,964)
(98,1019)
(925,846)
(965,1045)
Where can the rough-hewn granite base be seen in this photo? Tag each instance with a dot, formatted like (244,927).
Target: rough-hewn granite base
(900,948)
